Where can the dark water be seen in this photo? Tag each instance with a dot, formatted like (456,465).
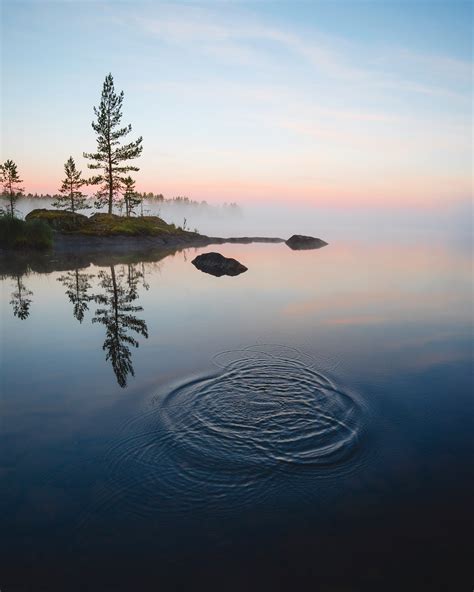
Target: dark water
(306,425)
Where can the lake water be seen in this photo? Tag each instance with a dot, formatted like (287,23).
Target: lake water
(306,425)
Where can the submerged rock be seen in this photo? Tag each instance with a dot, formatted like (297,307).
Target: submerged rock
(299,242)
(218,265)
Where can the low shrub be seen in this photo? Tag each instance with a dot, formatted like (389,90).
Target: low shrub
(17,234)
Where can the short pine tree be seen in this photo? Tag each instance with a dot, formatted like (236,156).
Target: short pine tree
(71,197)
(10,180)
(131,198)
(111,156)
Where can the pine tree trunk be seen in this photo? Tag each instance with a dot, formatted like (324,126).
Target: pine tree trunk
(110,173)
(115,298)
(10,192)
(111,193)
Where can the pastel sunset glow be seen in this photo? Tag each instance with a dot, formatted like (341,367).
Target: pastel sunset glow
(325,103)
(236,255)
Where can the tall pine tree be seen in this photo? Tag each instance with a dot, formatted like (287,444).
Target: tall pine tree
(10,180)
(71,196)
(111,156)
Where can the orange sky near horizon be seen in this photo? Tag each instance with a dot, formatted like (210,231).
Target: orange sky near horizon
(416,192)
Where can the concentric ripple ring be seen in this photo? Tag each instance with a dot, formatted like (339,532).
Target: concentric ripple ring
(225,437)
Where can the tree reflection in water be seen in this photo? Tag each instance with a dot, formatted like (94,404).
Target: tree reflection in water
(116,313)
(77,287)
(20,299)
(118,287)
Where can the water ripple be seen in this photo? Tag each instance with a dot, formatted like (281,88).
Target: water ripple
(223,440)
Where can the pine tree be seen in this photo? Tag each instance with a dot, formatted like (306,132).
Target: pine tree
(131,197)
(10,179)
(71,197)
(111,155)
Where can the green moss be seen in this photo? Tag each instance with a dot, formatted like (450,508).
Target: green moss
(60,220)
(112,225)
(148,225)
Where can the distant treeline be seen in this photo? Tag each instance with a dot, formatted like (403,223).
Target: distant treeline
(159,198)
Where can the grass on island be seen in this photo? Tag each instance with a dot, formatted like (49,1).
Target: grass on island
(105,224)
(110,225)
(18,234)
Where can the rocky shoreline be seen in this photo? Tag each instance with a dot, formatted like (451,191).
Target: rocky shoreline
(125,244)
(75,250)
(104,238)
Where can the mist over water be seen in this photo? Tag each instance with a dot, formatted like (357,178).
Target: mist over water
(452,223)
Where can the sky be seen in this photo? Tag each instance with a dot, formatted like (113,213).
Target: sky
(336,103)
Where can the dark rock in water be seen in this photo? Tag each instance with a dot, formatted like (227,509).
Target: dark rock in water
(216,264)
(299,242)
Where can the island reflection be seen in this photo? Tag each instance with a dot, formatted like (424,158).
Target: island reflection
(115,292)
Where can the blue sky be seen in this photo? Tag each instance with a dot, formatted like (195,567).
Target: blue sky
(323,102)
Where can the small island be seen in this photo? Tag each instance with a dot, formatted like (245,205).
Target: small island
(70,231)
(65,229)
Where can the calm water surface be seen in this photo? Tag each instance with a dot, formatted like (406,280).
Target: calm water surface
(306,425)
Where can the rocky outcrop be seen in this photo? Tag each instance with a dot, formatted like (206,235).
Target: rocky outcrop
(299,242)
(108,225)
(62,221)
(218,265)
